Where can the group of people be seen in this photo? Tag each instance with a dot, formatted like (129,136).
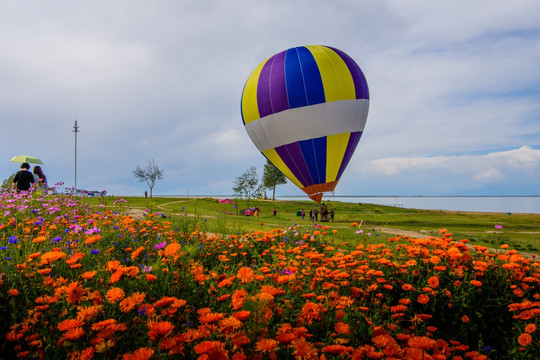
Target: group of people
(325,214)
(24,179)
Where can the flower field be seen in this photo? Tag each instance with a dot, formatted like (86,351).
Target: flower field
(81,282)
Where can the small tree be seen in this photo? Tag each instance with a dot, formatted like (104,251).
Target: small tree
(272,177)
(151,173)
(247,185)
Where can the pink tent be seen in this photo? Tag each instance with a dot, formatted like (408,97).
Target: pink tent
(226,201)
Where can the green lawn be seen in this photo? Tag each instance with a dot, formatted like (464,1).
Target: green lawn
(520,231)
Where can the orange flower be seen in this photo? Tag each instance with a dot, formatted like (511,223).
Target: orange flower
(69,324)
(150,277)
(74,292)
(433,282)
(303,350)
(87,275)
(245,274)
(212,348)
(13,292)
(242,315)
(421,342)
(407,287)
(310,312)
(172,249)
(114,295)
(159,329)
(74,334)
(143,353)
(267,345)
(476,283)
(465,319)
(238,299)
(87,313)
(524,339)
(530,328)
(423,299)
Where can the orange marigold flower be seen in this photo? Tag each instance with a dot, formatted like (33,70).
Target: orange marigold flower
(87,275)
(159,329)
(336,349)
(224,297)
(210,318)
(114,295)
(267,345)
(172,249)
(87,313)
(342,328)
(524,339)
(242,315)
(143,353)
(238,299)
(74,292)
(69,324)
(476,283)
(433,282)
(421,342)
(103,324)
(530,328)
(423,299)
(45,271)
(465,319)
(246,275)
(74,334)
(208,347)
(407,287)
(13,292)
(304,350)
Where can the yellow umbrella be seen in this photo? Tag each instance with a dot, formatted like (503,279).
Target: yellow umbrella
(27,159)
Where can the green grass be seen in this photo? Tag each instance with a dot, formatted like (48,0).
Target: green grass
(520,231)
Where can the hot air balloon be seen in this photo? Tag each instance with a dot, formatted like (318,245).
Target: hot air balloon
(305,109)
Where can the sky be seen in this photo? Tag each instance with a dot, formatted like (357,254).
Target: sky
(454,91)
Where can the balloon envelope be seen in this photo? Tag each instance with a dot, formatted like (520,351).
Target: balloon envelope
(305,109)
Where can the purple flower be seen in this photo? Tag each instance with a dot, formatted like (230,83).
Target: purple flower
(160,246)
(94,251)
(13,240)
(498,227)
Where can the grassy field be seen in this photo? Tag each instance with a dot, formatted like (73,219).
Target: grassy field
(376,222)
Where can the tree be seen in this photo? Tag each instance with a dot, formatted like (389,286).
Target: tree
(151,173)
(272,177)
(247,185)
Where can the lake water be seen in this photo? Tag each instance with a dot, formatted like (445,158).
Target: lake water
(504,204)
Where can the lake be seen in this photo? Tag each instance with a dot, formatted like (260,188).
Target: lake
(504,204)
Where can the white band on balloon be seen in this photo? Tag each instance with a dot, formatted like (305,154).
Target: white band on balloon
(308,122)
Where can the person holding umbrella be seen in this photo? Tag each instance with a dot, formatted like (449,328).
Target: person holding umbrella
(23,178)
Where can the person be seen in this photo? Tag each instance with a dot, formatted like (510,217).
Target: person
(274,212)
(39,178)
(23,178)
(145,194)
(315,213)
(303,214)
(332,214)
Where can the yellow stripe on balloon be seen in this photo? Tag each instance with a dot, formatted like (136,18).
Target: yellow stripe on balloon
(250,108)
(335,151)
(273,156)
(336,77)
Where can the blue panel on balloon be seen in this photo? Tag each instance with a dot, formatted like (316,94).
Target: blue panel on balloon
(314,153)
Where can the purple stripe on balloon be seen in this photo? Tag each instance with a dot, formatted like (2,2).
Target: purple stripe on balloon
(360,83)
(291,154)
(263,89)
(278,86)
(354,138)
(271,87)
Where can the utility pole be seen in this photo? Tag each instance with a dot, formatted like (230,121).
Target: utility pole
(75,130)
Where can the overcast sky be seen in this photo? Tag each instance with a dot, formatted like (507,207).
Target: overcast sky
(454,88)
